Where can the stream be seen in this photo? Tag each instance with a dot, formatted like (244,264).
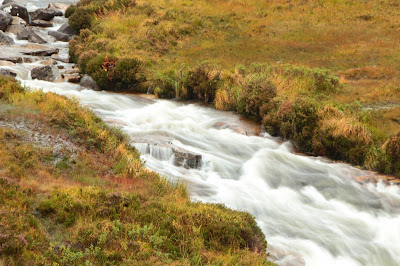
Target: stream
(312,210)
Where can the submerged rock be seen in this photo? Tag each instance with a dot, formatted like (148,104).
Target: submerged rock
(5,39)
(5,20)
(88,82)
(187,159)
(43,73)
(17,10)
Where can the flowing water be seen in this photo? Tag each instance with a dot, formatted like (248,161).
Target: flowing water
(310,209)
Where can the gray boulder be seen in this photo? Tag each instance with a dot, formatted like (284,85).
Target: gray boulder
(16,10)
(88,82)
(7,73)
(66,29)
(5,20)
(39,37)
(15,29)
(43,73)
(45,14)
(8,1)
(5,39)
(39,50)
(24,33)
(62,37)
(41,23)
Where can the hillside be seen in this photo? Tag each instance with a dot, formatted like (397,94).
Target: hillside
(323,74)
(73,192)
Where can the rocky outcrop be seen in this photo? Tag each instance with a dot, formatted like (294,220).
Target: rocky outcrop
(5,20)
(88,82)
(17,10)
(66,29)
(5,39)
(7,73)
(59,36)
(41,23)
(43,73)
(45,14)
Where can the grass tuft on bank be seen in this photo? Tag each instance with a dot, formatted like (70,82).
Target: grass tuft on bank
(323,74)
(72,192)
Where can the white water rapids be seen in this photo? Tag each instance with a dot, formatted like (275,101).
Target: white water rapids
(310,209)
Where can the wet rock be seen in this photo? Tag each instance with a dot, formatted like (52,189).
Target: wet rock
(45,14)
(18,21)
(58,6)
(15,29)
(14,59)
(62,37)
(88,82)
(24,34)
(39,37)
(5,20)
(187,159)
(7,63)
(72,78)
(7,73)
(41,23)
(66,29)
(39,50)
(48,62)
(60,67)
(62,58)
(43,73)
(17,10)
(70,71)
(5,39)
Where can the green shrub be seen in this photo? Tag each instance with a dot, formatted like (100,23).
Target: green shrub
(69,11)
(81,19)
(393,152)
(257,91)
(202,83)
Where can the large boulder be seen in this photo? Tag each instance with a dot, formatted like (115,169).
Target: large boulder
(34,36)
(43,73)
(66,29)
(16,10)
(5,39)
(62,37)
(45,14)
(15,29)
(5,20)
(39,50)
(7,73)
(18,21)
(24,34)
(42,23)
(88,82)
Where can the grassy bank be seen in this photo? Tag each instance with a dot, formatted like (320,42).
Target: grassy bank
(323,74)
(73,192)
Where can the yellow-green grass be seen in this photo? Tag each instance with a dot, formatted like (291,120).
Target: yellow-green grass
(73,192)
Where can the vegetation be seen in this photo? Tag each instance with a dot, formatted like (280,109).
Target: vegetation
(323,74)
(73,192)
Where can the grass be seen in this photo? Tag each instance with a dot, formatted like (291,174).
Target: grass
(72,191)
(279,62)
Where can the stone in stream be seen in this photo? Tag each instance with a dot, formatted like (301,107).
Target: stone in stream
(62,58)
(58,6)
(18,21)
(5,39)
(5,20)
(43,73)
(62,37)
(34,36)
(41,23)
(7,63)
(66,29)
(16,10)
(72,78)
(88,82)
(14,59)
(39,50)
(15,29)
(45,14)
(7,73)
(187,159)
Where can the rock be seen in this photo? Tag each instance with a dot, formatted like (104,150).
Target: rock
(41,23)
(24,34)
(45,14)
(58,6)
(14,59)
(17,10)
(88,82)
(43,73)
(18,21)
(48,62)
(7,63)
(72,78)
(5,39)
(28,60)
(39,37)
(15,29)
(66,29)
(70,71)
(8,1)
(62,37)
(187,159)
(5,20)
(7,73)
(39,50)
(60,67)
(61,58)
